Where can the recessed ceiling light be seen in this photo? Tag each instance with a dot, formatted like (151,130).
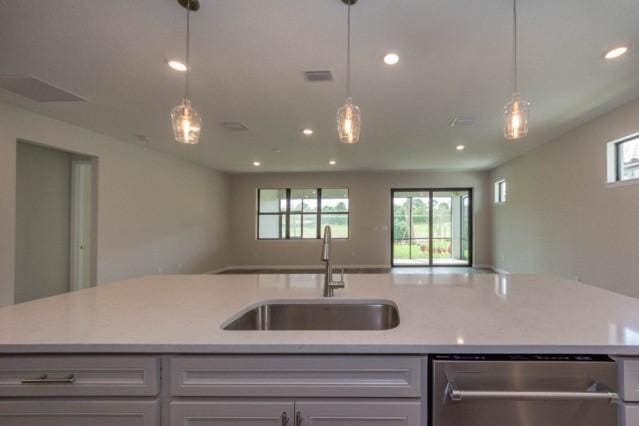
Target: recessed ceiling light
(332,162)
(177,65)
(308,132)
(257,163)
(391,58)
(460,147)
(616,52)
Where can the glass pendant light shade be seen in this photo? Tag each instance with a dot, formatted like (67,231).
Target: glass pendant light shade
(349,122)
(186,122)
(516,118)
(515,111)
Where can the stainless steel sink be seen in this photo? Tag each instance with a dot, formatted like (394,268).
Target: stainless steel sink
(304,315)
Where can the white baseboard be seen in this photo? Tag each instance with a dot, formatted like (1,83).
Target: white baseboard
(218,270)
(493,268)
(295,267)
(320,266)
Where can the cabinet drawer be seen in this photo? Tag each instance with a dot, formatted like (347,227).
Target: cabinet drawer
(628,379)
(229,412)
(79,413)
(400,412)
(79,376)
(628,414)
(296,376)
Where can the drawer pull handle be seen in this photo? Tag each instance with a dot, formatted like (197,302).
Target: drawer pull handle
(298,419)
(284,418)
(45,379)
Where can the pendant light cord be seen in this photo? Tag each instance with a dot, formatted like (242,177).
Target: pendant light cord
(348,52)
(515,83)
(188,38)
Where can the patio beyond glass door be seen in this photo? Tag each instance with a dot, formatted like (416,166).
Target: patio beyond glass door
(431,227)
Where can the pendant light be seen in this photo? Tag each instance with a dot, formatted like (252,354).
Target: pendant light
(186,121)
(348,116)
(516,111)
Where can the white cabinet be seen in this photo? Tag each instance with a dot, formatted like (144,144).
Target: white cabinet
(628,414)
(78,413)
(232,413)
(628,379)
(317,412)
(370,412)
(214,390)
(79,390)
(78,375)
(292,376)
(297,390)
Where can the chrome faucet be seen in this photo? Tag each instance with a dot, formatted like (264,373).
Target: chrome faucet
(329,284)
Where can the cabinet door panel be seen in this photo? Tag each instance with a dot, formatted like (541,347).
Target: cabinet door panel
(78,413)
(383,412)
(231,413)
(628,414)
(628,379)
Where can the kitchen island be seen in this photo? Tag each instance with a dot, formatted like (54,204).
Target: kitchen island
(460,313)
(153,350)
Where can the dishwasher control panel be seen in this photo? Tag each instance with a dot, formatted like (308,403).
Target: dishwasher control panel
(519,357)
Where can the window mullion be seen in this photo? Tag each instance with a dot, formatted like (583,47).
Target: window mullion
(319,213)
(288,213)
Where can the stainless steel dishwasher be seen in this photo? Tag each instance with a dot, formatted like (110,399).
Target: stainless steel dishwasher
(523,390)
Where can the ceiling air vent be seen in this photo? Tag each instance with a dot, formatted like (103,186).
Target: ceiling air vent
(322,75)
(463,121)
(234,127)
(37,90)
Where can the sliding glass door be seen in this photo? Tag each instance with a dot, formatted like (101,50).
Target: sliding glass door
(411,227)
(431,227)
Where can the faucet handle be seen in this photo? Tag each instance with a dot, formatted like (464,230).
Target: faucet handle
(340,283)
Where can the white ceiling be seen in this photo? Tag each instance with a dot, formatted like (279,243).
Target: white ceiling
(248,55)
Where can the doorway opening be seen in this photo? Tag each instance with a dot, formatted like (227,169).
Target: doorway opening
(431,227)
(56,216)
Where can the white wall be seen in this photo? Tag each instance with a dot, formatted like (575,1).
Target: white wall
(43,222)
(369,243)
(562,217)
(156,214)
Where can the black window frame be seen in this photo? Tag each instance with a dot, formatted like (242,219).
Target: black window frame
(286,236)
(619,158)
(471,252)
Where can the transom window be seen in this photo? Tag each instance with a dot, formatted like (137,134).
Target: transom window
(301,213)
(500,191)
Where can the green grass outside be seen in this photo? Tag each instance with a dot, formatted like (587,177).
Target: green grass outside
(337,231)
(401,250)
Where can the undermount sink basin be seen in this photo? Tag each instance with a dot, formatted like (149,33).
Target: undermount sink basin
(309,315)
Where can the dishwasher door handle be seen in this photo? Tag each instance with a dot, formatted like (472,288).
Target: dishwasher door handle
(461,395)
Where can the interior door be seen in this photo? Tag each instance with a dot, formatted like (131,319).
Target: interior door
(232,413)
(81,226)
(371,412)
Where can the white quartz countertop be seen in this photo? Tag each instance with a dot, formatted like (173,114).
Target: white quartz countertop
(461,313)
